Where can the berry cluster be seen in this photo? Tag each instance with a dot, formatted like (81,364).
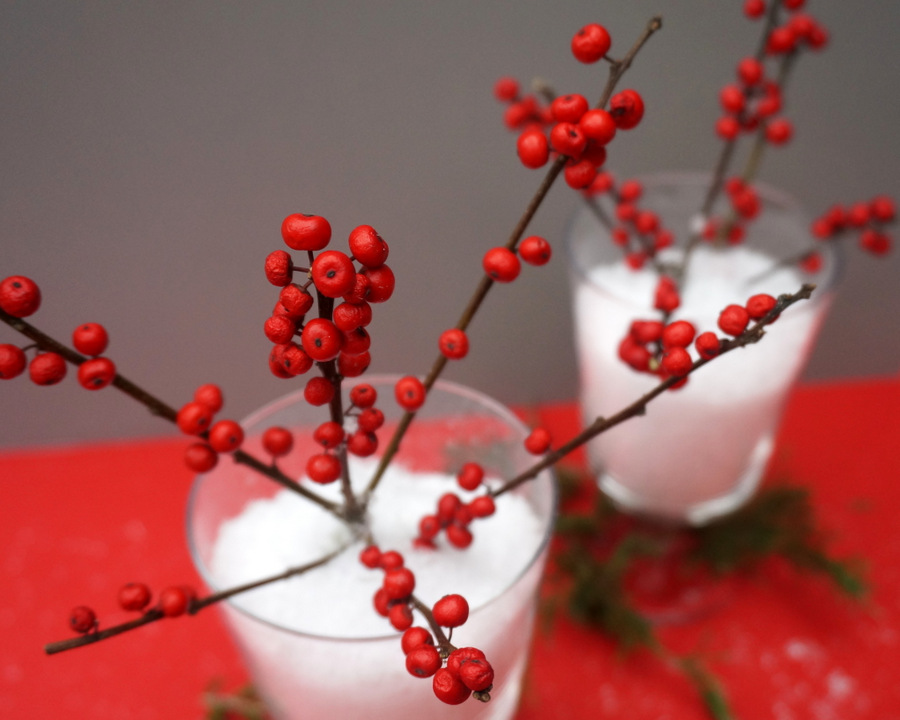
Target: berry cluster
(196,418)
(173,601)
(568,126)
(338,333)
(867,219)
(453,516)
(21,297)
(661,349)
(467,671)
(638,231)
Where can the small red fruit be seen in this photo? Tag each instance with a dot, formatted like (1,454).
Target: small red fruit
(423,660)
(734,320)
(200,457)
(279,268)
(591,43)
(321,339)
(96,373)
(470,476)
(12,361)
(759,306)
(323,468)
(409,393)
(90,339)
(501,264)
(448,688)
(47,368)
(333,273)
(210,395)
(174,601)
(318,391)
(368,247)
(226,436)
(193,418)
(19,296)
(415,637)
(533,148)
(134,596)
(451,611)
(538,441)
(627,109)
(82,619)
(305,232)
(454,344)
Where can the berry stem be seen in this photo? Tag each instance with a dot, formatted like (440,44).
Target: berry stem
(751,335)
(195,606)
(161,409)
(617,69)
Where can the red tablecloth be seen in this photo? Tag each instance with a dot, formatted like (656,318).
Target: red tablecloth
(77,522)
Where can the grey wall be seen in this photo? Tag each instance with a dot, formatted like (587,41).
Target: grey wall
(150,150)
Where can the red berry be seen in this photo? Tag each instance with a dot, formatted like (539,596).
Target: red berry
(568,139)
(754,8)
(811,263)
(134,596)
(634,355)
(447,506)
(882,208)
(732,99)
(646,331)
(279,329)
(598,125)
(370,556)
(305,232)
(506,89)
(279,268)
(734,320)
(579,175)
(727,127)
(707,345)
(423,661)
(476,674)
(210,395)
(174,601)
(333,273)
(391,559)
(370,419)
(858,214)
(226,436)
(363,395)
(591,43)
(429,527)
(329,434)
(321,339)
(355,342)
(399,583)
(348,316)
(360,290)
(362,443)
(90,339)
(454,344)
(501,264)
(666,297)
(538,441)
(415,637)
(193,418)
(569,108)
(381,284)
(678,334)
(368,247)
(874,242)
(535,250)
(782,39)
(291,359)
(627,109)
(533,148)
(295,300)
(779,131)
(82,619)
(459,536)
(482,507)
(677,362)
(750,71)
(451,611)
(470,476)
(277,441)
(448,688)
(409,393)
(12,361)
(759,306)
(318,391)
(19,296)
(323,468)
(381,602)
(461,655)
(200,457)
(47,368)
(350,366)
(96,373)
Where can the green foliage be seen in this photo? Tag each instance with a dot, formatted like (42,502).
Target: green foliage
(243,704)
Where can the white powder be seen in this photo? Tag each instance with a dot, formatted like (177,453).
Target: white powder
(304,676)
(707,443)
(335,600)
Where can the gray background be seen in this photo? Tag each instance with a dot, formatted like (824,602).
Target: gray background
(150,150)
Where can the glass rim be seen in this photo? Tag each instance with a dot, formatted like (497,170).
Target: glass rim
(770,194)
(496,407)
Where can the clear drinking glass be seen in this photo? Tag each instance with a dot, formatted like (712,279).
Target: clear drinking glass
(312,673)
(699,451)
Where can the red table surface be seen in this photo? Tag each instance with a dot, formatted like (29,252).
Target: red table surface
(80,521)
